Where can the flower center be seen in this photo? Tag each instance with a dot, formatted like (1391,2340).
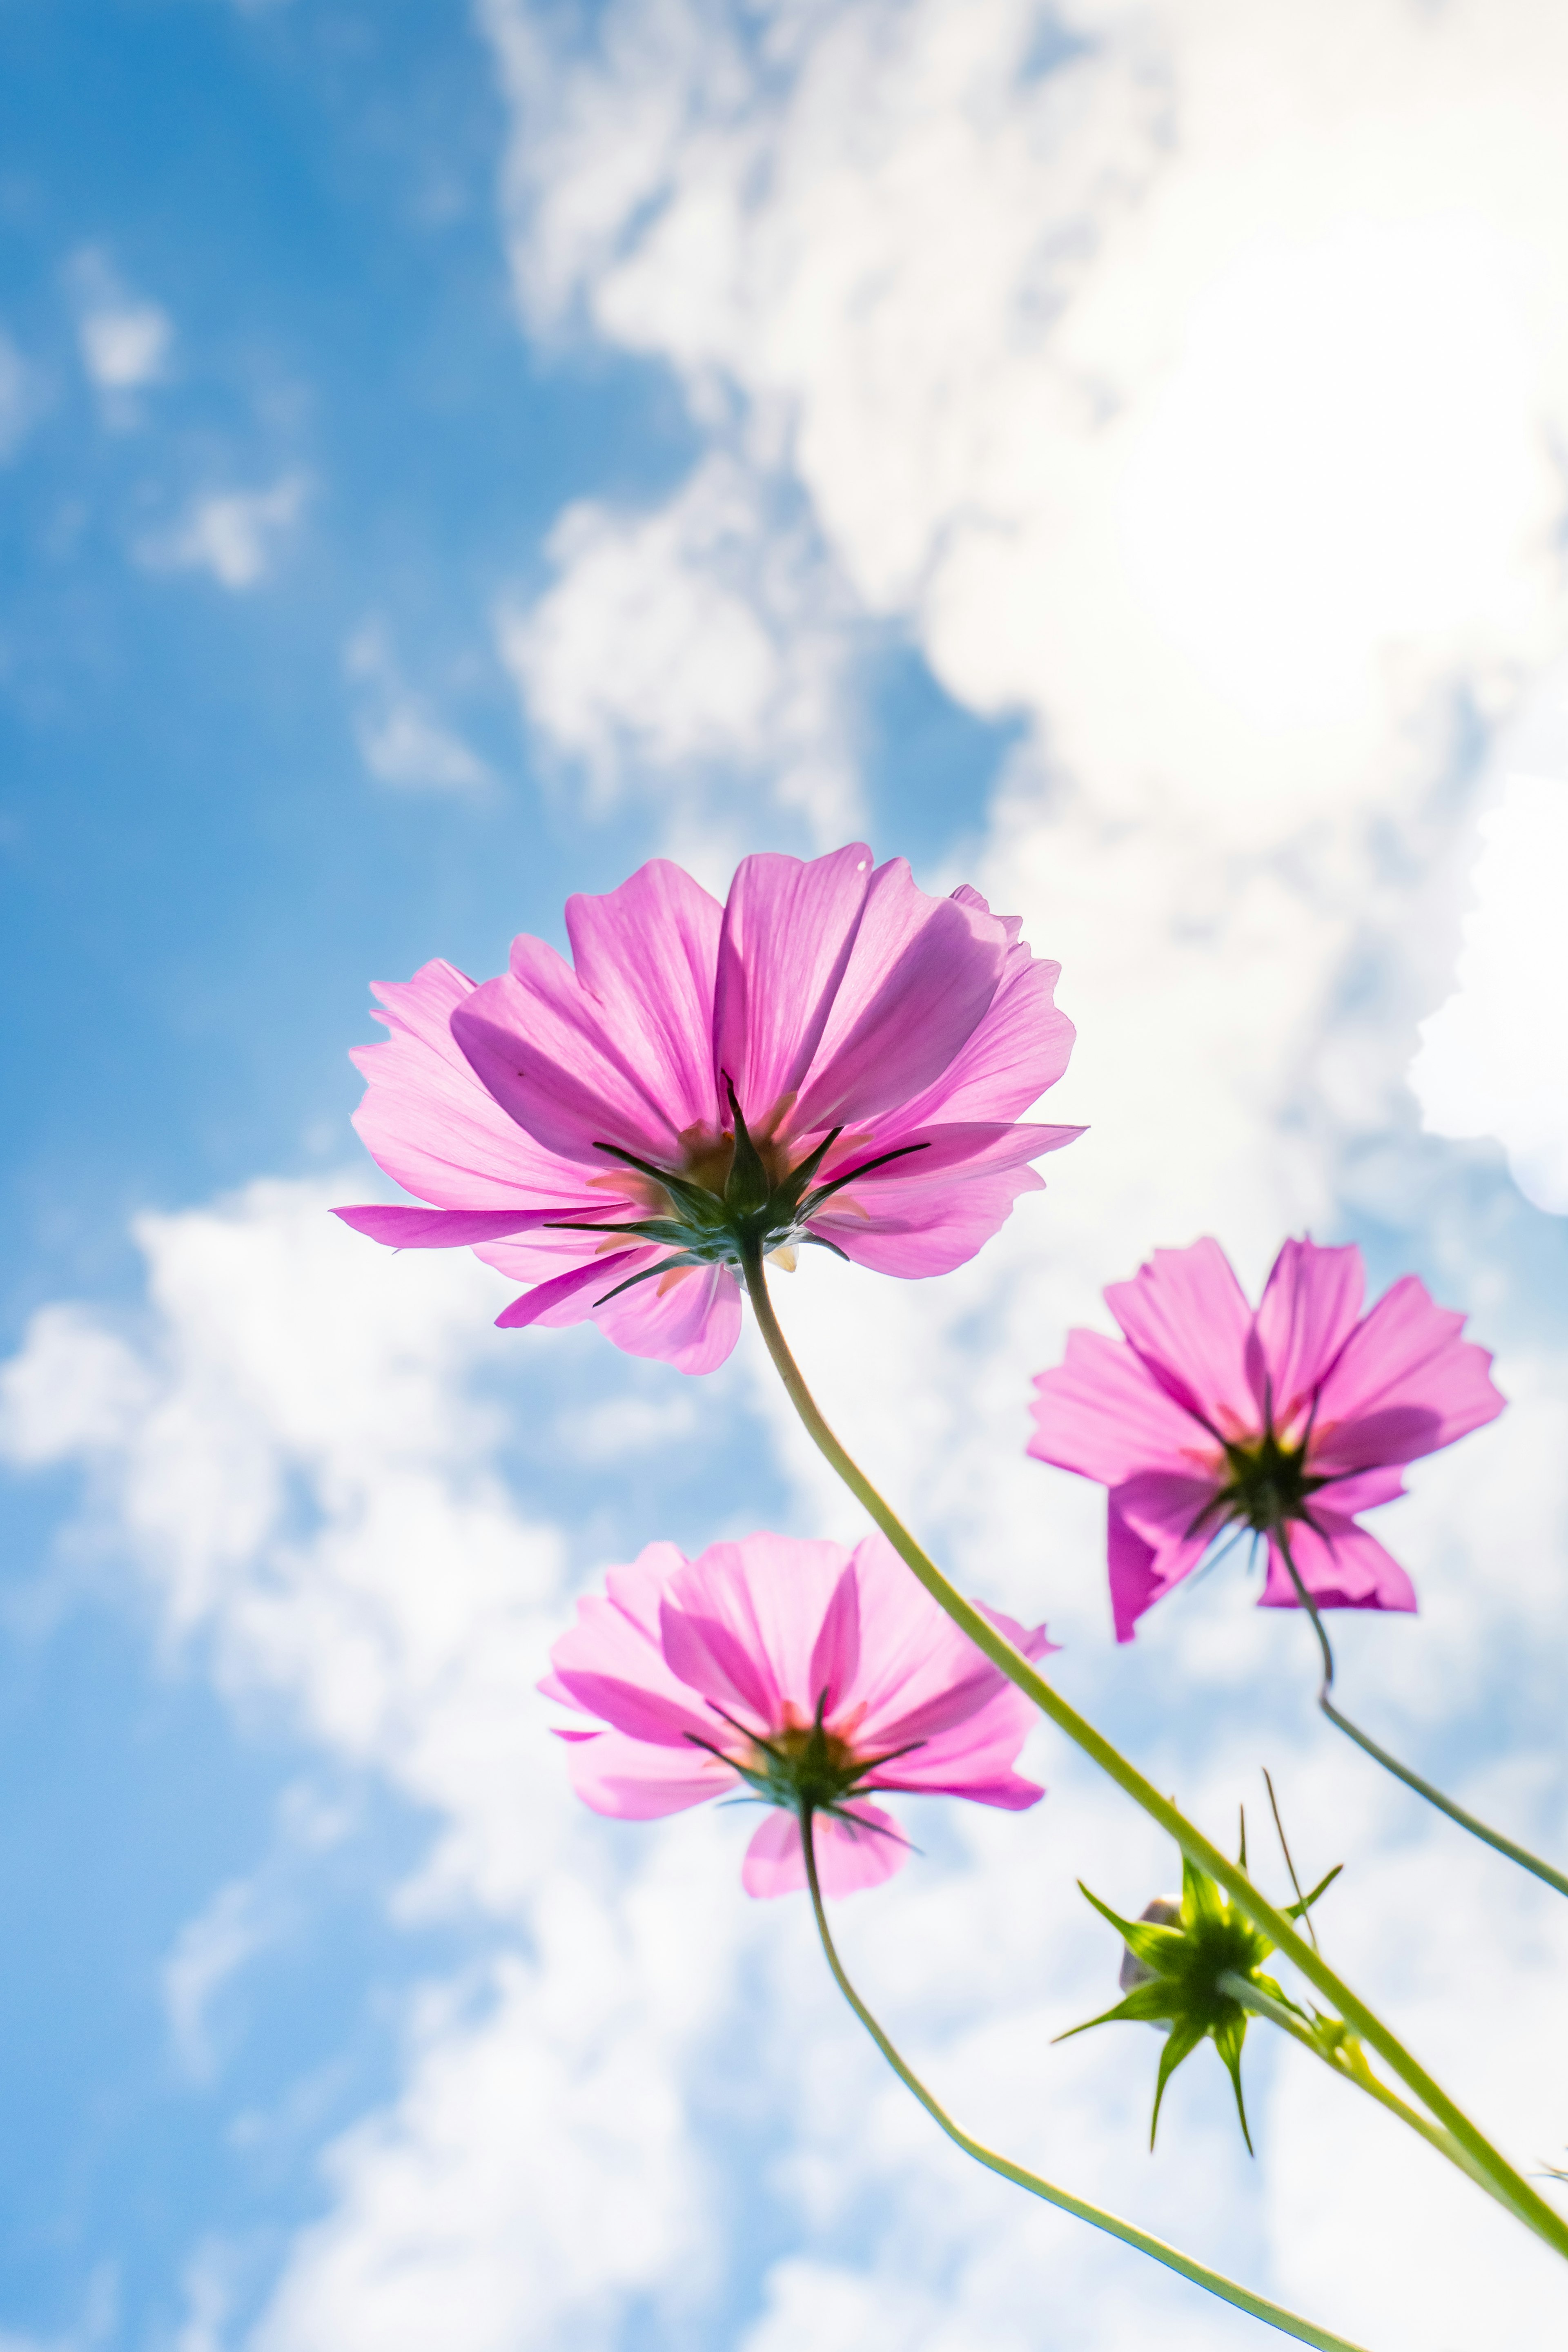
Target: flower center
(1268,1481)
(805,1765)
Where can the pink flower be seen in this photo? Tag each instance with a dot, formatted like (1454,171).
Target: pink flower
(801,1673)
(1303,1412)
(831,1056)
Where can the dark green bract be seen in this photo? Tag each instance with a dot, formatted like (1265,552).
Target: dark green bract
(736,1206)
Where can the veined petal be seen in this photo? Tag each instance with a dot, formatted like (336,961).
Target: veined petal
(1102,1413)
(1187,1316)
(403,1228)
(633,1781)
(772,1593)
(1152,1541)
(920,976)
(690,1317)
(1310,1305)
(1403,1384)
(642,1714)
(569,1297)
(648,955)
(1020,1047)
(836,1651)
(788,928)
(850,1854)
(426,1119)
(553,1058)
(715,1663)
(1342,1568)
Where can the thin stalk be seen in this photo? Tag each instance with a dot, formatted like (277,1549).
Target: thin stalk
(1494,1838)
(1526,2202)
(1258,2306)
(1253,1997)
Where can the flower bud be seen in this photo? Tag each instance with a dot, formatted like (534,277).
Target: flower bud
(1165,1912)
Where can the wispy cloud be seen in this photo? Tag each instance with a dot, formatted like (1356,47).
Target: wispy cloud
(693,648)
(126,341)
(233,535)
(402,739)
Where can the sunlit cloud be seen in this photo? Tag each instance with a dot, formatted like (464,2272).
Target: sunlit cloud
(1494,1058)
(235,536)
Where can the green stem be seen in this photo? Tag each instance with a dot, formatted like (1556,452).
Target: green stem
(1251,1996)
(1522,1854)
(1531,2207)
(1272,2314)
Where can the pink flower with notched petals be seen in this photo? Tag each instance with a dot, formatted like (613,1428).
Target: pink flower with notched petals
(800,1673)
(1301,1414)
(831,1056)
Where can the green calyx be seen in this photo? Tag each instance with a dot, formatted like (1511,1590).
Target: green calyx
(735,1208)
(1269,1483)
(807,1769)
(1187,1968)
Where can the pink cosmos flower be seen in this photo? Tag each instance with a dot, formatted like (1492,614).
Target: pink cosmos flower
(1303,1414)
(831,1056)
(800,1673)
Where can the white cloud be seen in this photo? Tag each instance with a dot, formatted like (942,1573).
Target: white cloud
(683,648)
(401,740)
(232,534)
(1494,1059)
(125,340)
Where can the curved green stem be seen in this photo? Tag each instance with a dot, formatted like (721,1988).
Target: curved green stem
(1251,1996)
(1531,2207)
(1258,2306)
(1494,1838)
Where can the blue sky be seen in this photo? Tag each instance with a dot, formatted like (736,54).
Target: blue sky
(449,458)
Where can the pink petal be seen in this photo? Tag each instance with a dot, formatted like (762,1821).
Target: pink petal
(847,1858)
(1187,1316)
(569,1297)
(1404,1384)
(788,928)
(634,1783)
(555,1062)
(694,1324)
(920,1680)
(1157,1531)
(427,1120)
(1309,1304)
(707,1656)
(1020,1047)
(772,1593)
(643,1714)
(401,1228)
(1343,1568)
(920,976)
(911,1228)
(1102,1413)
(648,955)
(836,1652)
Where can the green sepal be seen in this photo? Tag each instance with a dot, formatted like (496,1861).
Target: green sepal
(1299,1910)
(746,1187)
(1186,2033)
